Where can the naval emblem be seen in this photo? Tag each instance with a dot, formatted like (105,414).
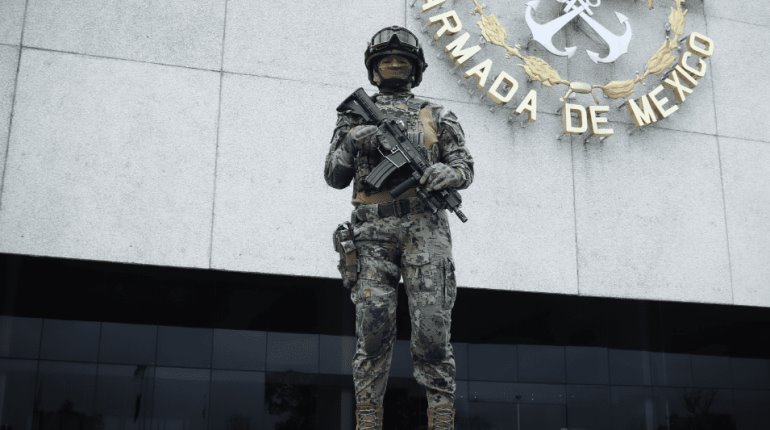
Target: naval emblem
(543,33)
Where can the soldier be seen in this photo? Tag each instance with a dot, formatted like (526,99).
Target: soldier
(395,238)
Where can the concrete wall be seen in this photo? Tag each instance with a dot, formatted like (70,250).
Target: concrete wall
(193,134)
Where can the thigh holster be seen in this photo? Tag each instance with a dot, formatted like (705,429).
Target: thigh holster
(346,248)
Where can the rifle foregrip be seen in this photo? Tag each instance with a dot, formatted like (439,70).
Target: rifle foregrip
(402,187)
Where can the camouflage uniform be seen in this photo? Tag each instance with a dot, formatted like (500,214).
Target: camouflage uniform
(411,242)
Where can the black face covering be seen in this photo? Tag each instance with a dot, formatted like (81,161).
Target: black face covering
(394,85)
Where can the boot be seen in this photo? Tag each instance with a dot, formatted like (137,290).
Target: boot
(368,417)
(441,417)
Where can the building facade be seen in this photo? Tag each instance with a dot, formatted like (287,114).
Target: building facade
(165,230)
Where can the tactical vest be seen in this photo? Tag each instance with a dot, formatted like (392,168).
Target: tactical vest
(417,117)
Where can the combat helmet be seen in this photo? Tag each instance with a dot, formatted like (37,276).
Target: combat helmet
(395,40)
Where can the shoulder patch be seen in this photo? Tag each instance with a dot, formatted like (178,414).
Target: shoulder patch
(448,123)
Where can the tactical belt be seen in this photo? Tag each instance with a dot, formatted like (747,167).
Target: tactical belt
(396,208)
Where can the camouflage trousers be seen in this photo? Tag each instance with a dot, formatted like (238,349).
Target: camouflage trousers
(418,247)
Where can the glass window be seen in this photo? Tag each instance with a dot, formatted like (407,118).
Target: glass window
(70,340)
(541,363)
(237,400)
(587,365)
(404,404)
(752,409)
(337,354)
(128,343)
(750,372)
(698,408)
(124,396)
(183,346)
(401,365)
(17,393)
(721,409)
(499,405)
(461,359)
(491,392)
(335,403)
(291,401)
(671,406)
(588,406)
(491,362)
(292,351)
(710,371)
(671,369)
(461,398)
(181,399)
(491,415)
(20,337)
(629,367)
(542,416)
(239,349)
(66,395)
(539,393)
(347,400)
(632,408)
(310,387)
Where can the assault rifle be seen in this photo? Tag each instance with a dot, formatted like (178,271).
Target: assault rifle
(402,151)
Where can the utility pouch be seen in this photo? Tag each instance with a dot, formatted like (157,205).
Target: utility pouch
(344,245)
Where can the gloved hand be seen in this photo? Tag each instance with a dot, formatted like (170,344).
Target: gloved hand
(440,176)
(362,138)
(357,140)
(361,132)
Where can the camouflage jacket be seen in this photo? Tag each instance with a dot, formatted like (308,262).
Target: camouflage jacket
(436,128)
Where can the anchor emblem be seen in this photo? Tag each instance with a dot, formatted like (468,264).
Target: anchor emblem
(543,33)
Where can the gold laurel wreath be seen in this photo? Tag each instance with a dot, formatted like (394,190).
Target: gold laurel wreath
(539,70)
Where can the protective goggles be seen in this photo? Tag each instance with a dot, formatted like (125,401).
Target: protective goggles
(383,37)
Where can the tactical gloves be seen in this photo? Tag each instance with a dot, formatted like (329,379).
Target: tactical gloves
(440,176)
(356,141)
(361,132)
(365,139)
